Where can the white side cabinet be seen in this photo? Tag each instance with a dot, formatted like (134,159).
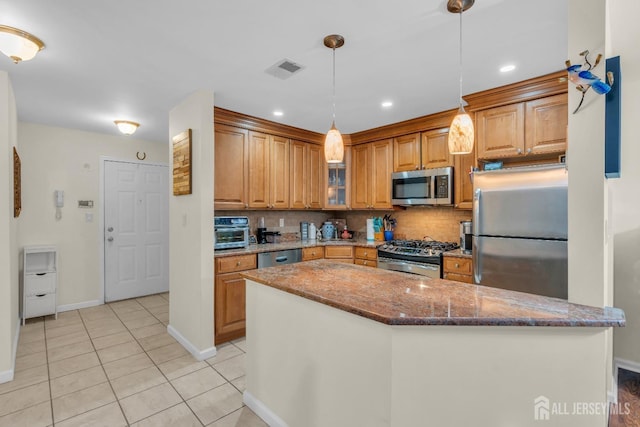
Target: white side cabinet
(39,281)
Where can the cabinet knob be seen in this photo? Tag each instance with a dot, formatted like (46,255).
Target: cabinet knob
(364,263)
(238,264)
(246,205)
(417,167)
(519,151)
(528,150)
(110,229)
(457,265)
(365,253)
(110,239)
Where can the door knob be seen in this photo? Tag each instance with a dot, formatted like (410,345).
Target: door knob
(110,229)
(110,239)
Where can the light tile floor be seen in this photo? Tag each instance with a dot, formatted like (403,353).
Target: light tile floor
(116,365)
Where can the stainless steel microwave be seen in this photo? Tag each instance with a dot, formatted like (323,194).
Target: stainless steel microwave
(425,187)
(230,232)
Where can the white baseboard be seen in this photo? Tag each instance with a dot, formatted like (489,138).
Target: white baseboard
(6,376)
(79,305)
(198,354)
(261,410)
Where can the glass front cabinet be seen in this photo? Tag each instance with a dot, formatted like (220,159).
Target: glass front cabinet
(338,183)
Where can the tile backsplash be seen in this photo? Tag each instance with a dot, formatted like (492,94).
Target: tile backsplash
(413,223)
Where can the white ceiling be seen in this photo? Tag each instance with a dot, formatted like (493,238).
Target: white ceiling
(136,59)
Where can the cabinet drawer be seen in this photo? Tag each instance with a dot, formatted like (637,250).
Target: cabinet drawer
(35,284)
(338,252)
(466,278)
(457,265)
(40,305)
(316,252)
(366,253)
(367,262)
(236,263)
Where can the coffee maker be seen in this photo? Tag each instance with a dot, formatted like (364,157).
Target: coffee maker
(466,236)
(261,232)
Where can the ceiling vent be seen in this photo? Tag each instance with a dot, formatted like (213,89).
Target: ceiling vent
(284,69)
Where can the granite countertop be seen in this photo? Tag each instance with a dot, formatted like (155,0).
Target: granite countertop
(271,247)
(404,299)
(457,253)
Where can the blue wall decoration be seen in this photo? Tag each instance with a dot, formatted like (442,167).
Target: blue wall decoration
(612,120)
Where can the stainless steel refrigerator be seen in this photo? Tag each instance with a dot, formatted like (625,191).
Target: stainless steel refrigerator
(520,229)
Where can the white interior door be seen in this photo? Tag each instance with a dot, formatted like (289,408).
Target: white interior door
(136,230)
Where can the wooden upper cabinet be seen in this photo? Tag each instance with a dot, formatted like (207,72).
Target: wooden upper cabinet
(268,171)
(315,176)
(279,194)
(500,131)
(259,170)
(381,169)
(231,172)
(372,165)
(435,149)
(546,121)
(406,153)
(463,187)
(534,127)
(360,176)
(306,176)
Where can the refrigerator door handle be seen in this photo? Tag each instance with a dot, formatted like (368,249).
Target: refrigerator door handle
(476,211)
(477,270)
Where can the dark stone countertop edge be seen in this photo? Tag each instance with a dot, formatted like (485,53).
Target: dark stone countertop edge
(296,244)
(617,321)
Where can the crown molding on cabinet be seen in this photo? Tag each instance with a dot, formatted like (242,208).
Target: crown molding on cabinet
(538,87)
(231,118)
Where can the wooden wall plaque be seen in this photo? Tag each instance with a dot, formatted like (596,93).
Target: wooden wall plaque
(182,163)
(17,184)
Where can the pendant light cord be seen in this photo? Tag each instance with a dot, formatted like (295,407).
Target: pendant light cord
(461,58)
(334,84)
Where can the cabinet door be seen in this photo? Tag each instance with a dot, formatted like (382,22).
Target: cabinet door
(381,169)
(360,177)
(229,307)
(500,131)
(231,171)
(299,175)
(546,122)
(314,178)
(463,187)
(259,170)
(406,152)
(279,194)
(315,252)
(435,149)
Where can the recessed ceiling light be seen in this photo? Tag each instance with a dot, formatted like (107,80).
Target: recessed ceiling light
(387,104)
(278,113)
(507,68)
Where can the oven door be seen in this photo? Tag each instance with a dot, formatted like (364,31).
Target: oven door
(420,268)
(231,237)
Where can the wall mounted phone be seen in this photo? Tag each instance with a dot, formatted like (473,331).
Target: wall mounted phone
(59,199)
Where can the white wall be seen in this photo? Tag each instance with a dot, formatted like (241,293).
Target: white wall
(191,232)
(9,251)
(623,37)
(65,159)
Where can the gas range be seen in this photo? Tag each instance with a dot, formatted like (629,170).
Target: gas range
(414,256)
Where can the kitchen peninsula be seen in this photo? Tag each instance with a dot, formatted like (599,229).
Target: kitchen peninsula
(344,345)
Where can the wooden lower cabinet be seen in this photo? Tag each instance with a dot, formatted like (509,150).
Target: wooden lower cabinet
(229,297)
(366,256)
(339,253)
(458,269)
(315,252)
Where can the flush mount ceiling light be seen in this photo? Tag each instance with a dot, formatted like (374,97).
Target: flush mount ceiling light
(461,129)
(126,127)
(333,144)
(19,45)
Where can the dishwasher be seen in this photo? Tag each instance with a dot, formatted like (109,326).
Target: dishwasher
(270,259)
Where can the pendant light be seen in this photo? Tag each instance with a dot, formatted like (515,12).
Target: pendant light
(333,144)
(461,129)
